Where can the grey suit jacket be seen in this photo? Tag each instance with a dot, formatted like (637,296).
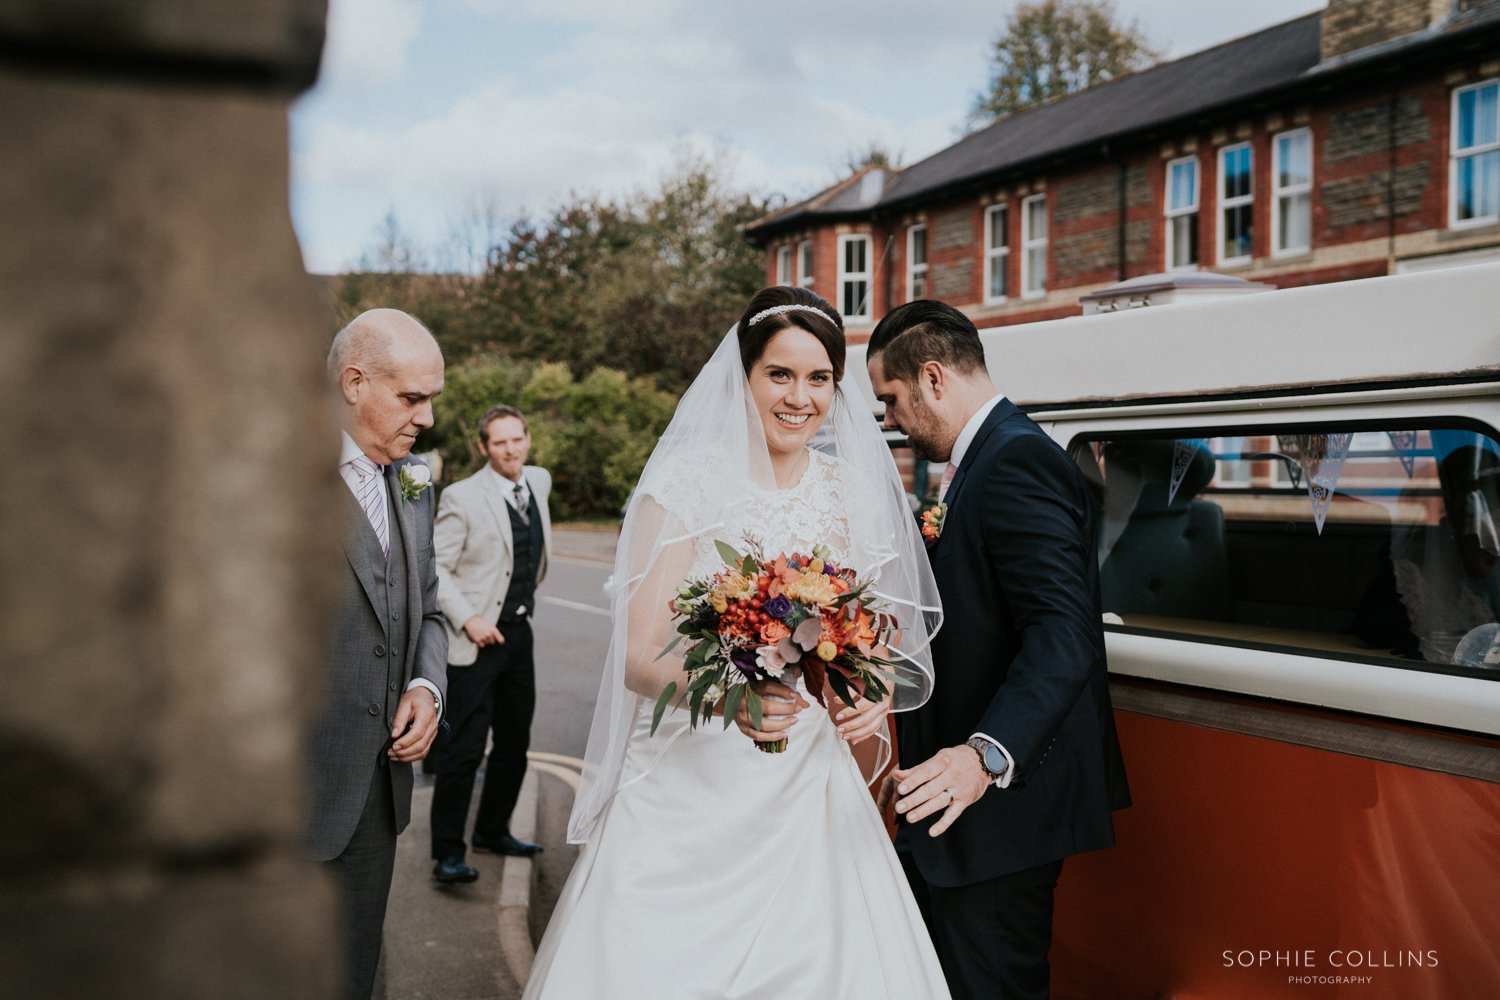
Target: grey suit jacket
(475,552)
(349,741)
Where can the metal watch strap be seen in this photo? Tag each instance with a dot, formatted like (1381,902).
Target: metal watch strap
(981,746)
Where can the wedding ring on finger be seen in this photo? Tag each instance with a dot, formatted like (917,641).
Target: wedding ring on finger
(951,797)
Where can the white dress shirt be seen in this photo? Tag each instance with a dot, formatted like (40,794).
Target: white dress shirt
(350,452)
(520,503)
(960,448)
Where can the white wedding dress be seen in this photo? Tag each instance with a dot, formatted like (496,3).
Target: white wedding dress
(725,872)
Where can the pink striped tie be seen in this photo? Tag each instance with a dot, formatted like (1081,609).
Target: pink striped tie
(947,480)
(370,484)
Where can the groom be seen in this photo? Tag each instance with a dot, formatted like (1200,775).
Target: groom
(1013,764)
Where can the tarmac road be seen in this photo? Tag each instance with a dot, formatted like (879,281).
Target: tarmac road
(441,942)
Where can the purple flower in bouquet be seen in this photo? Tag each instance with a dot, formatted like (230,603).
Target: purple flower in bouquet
(778,607)
(745,660)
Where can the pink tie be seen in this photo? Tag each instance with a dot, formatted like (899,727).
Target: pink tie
(371,482)
(946,481)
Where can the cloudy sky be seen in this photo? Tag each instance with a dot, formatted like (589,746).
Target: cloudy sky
(429,108)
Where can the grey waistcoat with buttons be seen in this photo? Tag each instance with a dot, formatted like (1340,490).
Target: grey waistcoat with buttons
(386,630)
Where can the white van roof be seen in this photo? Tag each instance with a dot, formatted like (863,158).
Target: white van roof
(1435,325)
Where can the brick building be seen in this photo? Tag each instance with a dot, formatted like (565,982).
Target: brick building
(1358,141)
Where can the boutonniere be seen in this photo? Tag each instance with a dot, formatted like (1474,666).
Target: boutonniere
(932,521)
(414,479)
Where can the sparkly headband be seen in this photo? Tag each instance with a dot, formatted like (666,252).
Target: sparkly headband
(776,310)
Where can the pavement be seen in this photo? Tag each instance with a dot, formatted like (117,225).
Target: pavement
(476,941)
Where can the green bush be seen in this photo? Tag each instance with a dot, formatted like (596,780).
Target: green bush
(594,434)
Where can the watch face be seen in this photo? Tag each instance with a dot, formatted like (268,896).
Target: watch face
(994,760)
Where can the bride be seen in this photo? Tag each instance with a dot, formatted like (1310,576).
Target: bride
(710,869)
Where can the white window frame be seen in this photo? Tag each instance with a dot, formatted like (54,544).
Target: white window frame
(1174,213)
(1030,243)
(805,264)
(1455,155)
(784,261)
(915,269)
(1290,191)
(847,276)
(996,257)
(1228,203)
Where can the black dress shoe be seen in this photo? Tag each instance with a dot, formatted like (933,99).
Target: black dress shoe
(506,845)
(454,870)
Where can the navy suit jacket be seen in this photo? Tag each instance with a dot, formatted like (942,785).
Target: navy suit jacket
(1020,658)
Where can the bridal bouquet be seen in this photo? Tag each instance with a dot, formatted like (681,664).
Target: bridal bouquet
(793,616)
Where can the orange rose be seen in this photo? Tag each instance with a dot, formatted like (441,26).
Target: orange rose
(773,631)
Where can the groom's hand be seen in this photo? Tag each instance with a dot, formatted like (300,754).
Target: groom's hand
(416,710)
(948,783)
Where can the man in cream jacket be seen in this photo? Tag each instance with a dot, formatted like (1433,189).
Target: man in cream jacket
(493,539)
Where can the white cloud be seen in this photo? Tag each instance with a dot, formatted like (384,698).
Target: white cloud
(367,41)
(599,96)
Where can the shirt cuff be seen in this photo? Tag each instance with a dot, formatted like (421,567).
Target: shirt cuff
(424,682)
(1010,762)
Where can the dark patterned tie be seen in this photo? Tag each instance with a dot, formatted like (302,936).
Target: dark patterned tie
(521,505)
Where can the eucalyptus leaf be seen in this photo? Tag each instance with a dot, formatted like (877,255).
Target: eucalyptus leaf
(661,705)
(728,554)
(753,701)
(807,634)
(670,646)
(732,703)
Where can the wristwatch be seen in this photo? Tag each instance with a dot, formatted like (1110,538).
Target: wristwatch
(990,757)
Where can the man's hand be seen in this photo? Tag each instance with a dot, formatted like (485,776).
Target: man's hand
(778,712)
(859,723)
(416,710)
(482,632)
(950,782)
(886,792)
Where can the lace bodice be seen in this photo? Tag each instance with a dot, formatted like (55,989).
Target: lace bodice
(817,511)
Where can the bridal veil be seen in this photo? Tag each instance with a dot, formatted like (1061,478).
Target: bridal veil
(711,460)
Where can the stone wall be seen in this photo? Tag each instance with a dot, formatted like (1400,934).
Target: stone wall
(1368,130)
(1100,249)
(169,523)
(1099,194)
(951,231)
(1366,198)
(1351,25)
(952,280)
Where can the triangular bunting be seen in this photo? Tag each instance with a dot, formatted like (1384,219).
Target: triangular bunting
(1323,459)
(1405,443)
(1183,453)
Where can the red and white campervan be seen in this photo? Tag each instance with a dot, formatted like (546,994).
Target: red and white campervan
(1298,496)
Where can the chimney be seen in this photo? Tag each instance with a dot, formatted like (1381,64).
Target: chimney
(1351,25)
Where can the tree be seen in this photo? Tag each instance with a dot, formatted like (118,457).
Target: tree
(1057,47)
(648,286)
(875,155)
(593,433)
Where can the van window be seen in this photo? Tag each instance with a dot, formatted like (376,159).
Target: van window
(1358,543)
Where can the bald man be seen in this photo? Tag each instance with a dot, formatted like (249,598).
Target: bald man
(387,674)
